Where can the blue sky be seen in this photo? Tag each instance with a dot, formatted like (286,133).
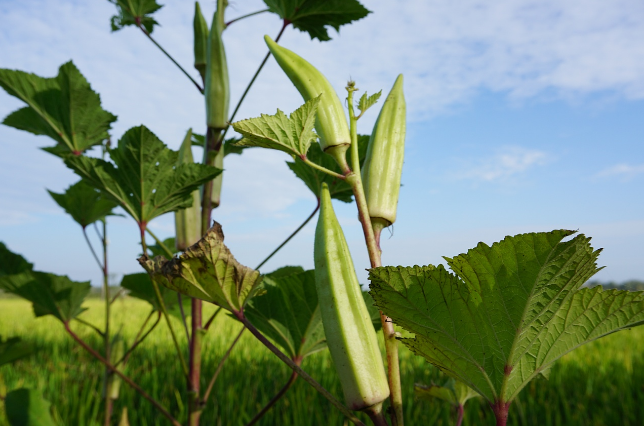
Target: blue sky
(523,116)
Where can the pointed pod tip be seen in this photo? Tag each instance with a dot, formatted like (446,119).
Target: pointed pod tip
(269,41)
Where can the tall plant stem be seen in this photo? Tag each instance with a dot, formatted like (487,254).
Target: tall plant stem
(222,361)
(91,249)
(288,361)
(277,396)
(294,233)
(248,15)
(106,293)
(125,378)
(501,412)
(194,378)
(459,414)
(138,23)
(388,331)
(252,80)
(160,243)
(157,292)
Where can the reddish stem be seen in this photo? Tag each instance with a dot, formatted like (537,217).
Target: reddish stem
(500,410)
(459,415)
(195,363)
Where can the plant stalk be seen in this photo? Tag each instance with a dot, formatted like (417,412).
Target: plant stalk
(194,378)
(389,334)
(125,378)
(206,395)
(212,318)
(288,361)
(280,394)
(308,219)
(248,15)
(500,410)
(459,414)
(106,290)
(138,23)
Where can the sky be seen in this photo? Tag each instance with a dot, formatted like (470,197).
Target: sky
(523,116)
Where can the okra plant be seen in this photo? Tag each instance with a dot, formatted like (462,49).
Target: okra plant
(502,316)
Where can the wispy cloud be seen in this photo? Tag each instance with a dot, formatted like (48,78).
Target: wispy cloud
(506,163)
(624,171)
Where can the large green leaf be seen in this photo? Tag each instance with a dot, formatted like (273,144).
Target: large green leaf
(292,134)
(289,313)
(207,271)
(157,250)
(84,203)
(14,349)
(314,178)
(65,107)
(27,407)
(139,285)
(134,12)
(144,178)
(313,16)
(509,312)
(12,263)
(50,294)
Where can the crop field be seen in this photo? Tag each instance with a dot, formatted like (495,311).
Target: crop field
(599,384)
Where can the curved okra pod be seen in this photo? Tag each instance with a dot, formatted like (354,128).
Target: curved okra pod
(201,41)
(217,90)
(347,324)
(187,222)
(330,122)
(383,165)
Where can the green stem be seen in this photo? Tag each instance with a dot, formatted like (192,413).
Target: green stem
(161,303)
(212,318)
(220,366)
(246,16)
(194,375)
(126,379)
(91,248)
(107,342)
(323,169)
(252,80)
(388,331)
(138,23)
(93,327)
(214,143)
(277,396)
(308,219)
(160,243)
(288,361)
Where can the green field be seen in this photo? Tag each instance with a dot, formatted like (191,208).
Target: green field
(599,384)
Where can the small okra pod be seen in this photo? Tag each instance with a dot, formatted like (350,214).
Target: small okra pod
(383,165)
(350,334)
(187,222)
(330,122)
(217,87)
(201,41)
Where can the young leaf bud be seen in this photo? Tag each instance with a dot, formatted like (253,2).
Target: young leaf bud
(347,324)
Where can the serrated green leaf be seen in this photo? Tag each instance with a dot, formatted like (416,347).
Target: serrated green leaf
(14,349)
(314,178)
(65,107)
(453,391)
(84,203)
(12,263)
(373,310)
(292,134)
(143,178)
(314,16)
(50,294)
(289,313)
(367,102)
(509,313)
(27,407)
(139,285)
(206,271)
(157,250)
(230,144)
(134,12)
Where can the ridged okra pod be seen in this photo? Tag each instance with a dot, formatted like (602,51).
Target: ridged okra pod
(187,222)
(347,324)
(330,122)
(217,90)
(201,41)
(383,165)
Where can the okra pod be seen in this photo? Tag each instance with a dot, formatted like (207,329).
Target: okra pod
(200,27)
(330,122)
(217,90)
(349,330)
(383,164)
(187,222)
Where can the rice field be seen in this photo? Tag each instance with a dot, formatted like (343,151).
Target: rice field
(599,384)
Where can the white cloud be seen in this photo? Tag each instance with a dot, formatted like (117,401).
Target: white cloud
(507,163)
(623,170)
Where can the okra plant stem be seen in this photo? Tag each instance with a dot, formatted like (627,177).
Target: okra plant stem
(373,248)
(288,361)
(160,243)
(194,378)
(126,379)
(248,15)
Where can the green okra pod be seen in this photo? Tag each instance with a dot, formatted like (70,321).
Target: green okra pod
(331,121)
(349,330)
(187,222)
(200,27)
(383,164)
(217,87)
